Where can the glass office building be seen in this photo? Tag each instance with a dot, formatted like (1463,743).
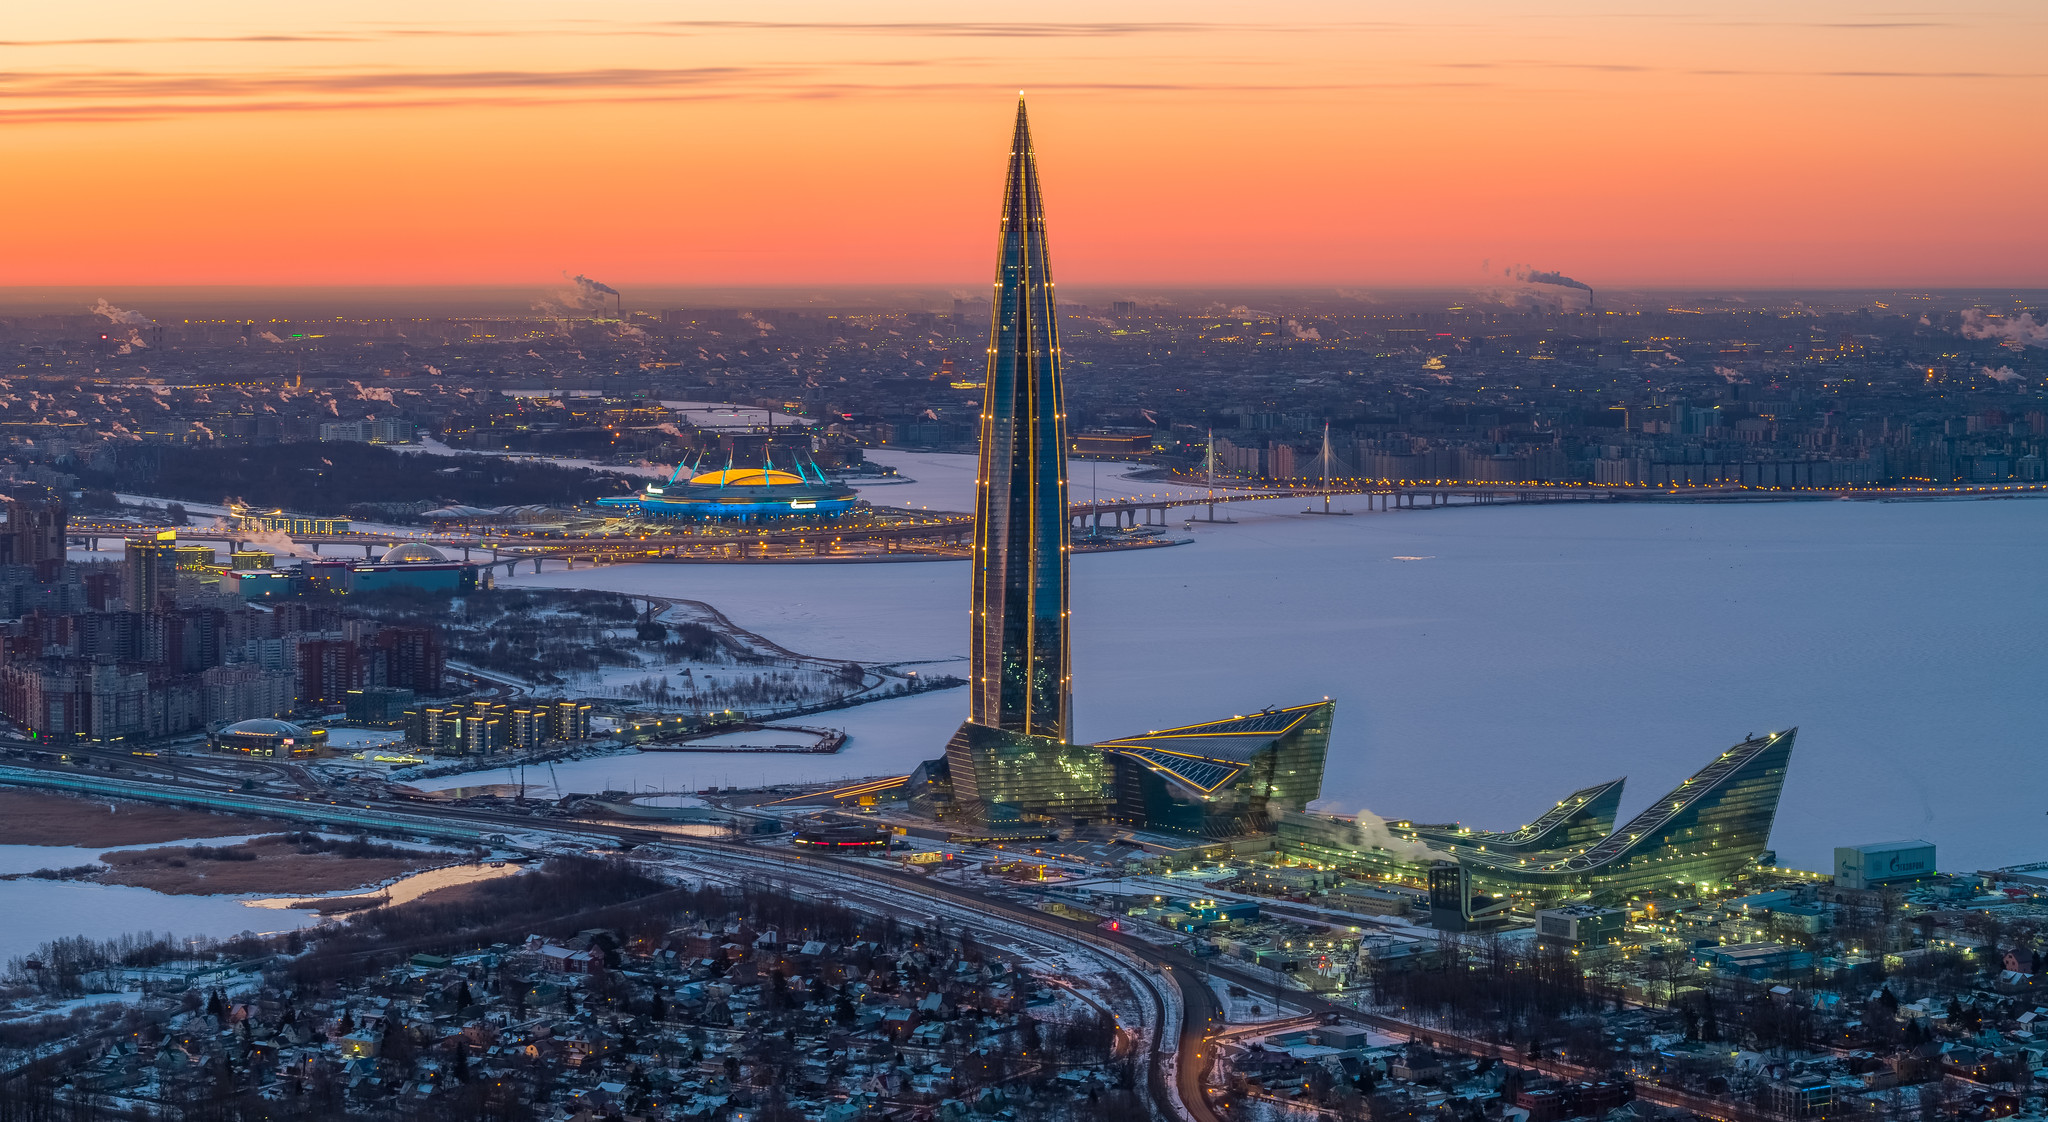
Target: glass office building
(1703,832)
(1223,778)
(999,775)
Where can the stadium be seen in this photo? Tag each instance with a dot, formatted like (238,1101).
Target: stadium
(740,495)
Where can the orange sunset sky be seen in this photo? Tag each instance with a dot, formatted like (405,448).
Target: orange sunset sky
(224,142)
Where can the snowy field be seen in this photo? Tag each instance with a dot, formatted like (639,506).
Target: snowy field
(1527,652)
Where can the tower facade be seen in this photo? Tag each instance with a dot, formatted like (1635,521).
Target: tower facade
(1018,648)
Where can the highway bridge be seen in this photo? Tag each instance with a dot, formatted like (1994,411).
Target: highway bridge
(948,534)
(511,548)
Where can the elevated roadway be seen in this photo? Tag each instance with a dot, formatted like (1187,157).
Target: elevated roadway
(1174,1016)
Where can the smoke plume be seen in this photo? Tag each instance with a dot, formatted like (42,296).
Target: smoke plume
(1304,334)
(1527,275)
(2003,374)
(118,315)
(2023,330)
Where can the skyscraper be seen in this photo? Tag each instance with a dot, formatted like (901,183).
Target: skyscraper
(1012,755)
(1012,762)
(1018,648)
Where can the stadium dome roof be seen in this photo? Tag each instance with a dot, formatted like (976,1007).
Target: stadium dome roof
(412,551)
(748,477)
(264,726)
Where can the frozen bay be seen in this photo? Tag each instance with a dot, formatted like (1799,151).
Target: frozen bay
(1527,651)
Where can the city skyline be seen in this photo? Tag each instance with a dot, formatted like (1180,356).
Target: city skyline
(1318,145)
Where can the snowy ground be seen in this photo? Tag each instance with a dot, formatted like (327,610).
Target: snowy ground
(883,738)
(1528,652)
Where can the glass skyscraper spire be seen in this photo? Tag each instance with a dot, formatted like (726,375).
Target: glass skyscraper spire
(1013,764)
(1018,647)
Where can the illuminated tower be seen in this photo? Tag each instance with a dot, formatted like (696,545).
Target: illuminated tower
(1018,646)
(1011,760)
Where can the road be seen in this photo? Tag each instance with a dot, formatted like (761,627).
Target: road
(1173,997)
(1148,972)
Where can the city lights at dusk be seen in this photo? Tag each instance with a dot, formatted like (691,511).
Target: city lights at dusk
(1092,563)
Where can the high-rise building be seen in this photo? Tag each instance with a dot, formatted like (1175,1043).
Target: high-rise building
(32,534)
(328,669)
(1014,759)
(149,570)
(1018,651)
(1012,756)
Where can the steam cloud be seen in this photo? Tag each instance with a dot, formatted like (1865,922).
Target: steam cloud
(1369,831)
(2023,330)
(1304,334)
(118,315)
(377,393)
(276,541)
(584,297)
(2003,374)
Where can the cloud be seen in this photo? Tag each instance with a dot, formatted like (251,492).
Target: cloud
(153,40)
(2003,374)
(695,28)
(130,83)
(2021,329)
(126,96)
(970,28)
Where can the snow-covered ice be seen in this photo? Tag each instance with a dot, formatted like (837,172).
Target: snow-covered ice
(1532,650)
(37,911)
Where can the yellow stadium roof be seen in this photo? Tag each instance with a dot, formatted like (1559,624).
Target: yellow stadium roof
(747,477)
